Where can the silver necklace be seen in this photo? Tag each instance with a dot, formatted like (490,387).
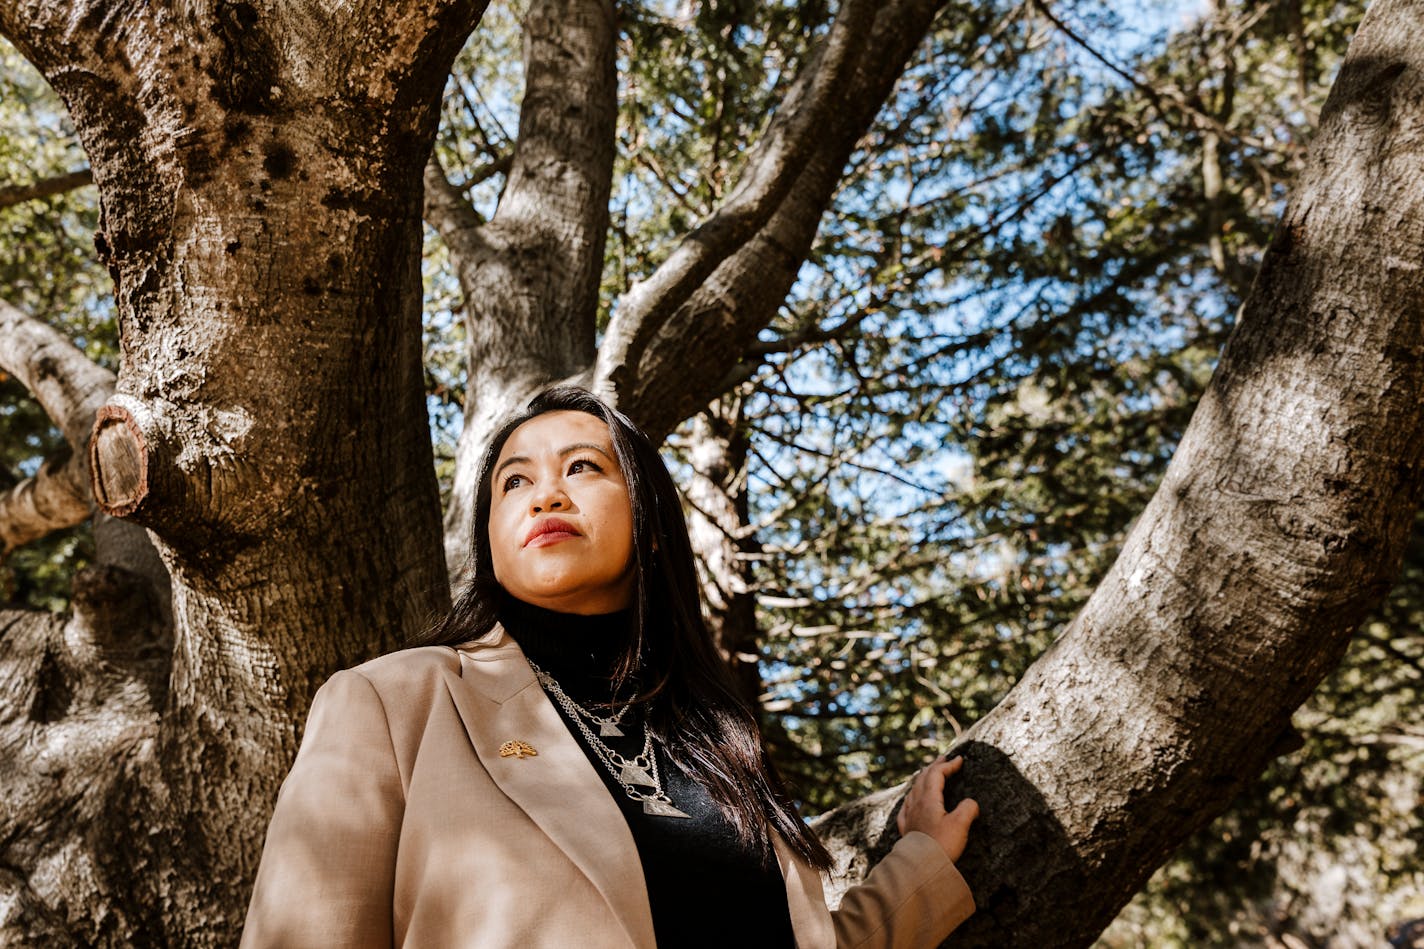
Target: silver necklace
(636,773)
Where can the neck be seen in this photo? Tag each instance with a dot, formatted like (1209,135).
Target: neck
(580,651)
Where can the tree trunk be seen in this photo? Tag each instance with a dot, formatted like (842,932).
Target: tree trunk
(530,276)
(1279,525)
(717,524)
(260,187)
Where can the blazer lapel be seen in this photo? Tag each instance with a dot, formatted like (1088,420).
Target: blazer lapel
(500,701)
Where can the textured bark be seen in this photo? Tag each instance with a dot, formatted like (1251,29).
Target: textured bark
(259,172)
(530,275)
(62,380)
(260,175)
(717,524)
(1279,525)
(78,727)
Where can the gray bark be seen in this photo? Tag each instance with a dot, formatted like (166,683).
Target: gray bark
(718,526)
(530,275)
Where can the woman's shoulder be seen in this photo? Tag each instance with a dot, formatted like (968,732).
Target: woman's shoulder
(398,684)
(417,664)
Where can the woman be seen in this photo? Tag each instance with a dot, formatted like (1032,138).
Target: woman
(565,761)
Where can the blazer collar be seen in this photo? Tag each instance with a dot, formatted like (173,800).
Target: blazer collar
(499,701)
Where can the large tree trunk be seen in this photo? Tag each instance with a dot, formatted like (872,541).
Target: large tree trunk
(1280,524)
(259,172)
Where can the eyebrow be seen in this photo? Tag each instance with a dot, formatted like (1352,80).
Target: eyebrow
(563,453)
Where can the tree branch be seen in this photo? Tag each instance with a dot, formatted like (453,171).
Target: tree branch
(71,389)
(67,385)
(11,195)
(677,336)
(543,249)
(56,497)
(530,276)
(794,134)
(448,211)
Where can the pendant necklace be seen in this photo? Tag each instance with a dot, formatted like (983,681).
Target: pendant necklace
(636,773)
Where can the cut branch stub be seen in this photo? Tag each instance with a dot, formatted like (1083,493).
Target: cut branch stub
(118,461)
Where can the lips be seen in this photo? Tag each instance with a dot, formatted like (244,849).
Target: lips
(551,530)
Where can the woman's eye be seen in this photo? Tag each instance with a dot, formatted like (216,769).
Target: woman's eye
(583,464)
(513,481)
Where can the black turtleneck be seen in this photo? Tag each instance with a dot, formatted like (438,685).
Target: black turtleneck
(704,886)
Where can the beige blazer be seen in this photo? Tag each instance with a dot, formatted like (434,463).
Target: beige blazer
(401,824)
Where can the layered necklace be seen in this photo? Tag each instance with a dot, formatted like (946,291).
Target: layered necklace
(639,775)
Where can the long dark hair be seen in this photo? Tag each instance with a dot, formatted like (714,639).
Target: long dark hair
(683,682)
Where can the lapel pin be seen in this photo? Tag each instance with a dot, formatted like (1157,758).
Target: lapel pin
(517,749)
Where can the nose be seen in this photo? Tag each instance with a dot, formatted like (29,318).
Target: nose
(550,499)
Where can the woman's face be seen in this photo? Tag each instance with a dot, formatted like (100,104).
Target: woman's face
(561,523)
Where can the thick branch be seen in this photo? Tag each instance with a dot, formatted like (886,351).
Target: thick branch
(56,497)
(72,390)
(530,276)
(67,385)
(450,213)
(675,337)
(447,209)
(531,280)
(11,195)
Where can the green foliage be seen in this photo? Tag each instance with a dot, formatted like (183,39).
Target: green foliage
(697,82)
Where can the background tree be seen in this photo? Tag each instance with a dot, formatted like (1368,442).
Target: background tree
(529,268)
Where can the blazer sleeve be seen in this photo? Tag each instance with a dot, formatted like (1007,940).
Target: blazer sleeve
(912,899)
(327,874)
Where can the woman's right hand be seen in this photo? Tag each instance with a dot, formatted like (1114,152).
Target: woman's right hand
(923,809)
